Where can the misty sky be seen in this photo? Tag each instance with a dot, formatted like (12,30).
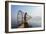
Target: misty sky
(31,10)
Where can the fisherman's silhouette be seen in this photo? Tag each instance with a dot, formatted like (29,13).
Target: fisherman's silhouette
(25,21)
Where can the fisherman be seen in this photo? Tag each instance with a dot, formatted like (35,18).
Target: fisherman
(25,21)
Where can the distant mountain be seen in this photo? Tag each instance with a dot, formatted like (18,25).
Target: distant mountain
(35,22)
(36,18)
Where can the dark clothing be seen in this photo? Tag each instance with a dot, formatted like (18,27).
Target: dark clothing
(25,21)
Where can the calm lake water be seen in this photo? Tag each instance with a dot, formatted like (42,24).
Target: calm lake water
(34,22)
